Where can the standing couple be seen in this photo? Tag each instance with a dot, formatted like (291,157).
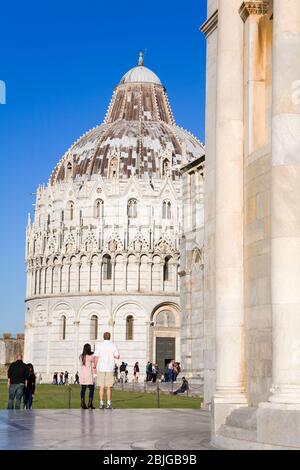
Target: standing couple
(101,362)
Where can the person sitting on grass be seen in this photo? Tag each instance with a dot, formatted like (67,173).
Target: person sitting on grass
(86,376)
(106,354)
(183,388)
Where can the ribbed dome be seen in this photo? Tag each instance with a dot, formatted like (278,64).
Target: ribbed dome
(140,74)
(138,137)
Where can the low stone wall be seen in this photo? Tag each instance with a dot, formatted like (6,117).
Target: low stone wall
(9,348)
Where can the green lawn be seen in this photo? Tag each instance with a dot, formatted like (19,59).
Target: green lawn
(57,397)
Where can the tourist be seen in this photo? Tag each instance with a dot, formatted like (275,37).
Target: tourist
(86,377)
(30,388)
(149,372)
(154,372)
(136,372)
(61,378)
(55,379)
(176,370)
(66,377)
(106,354)
(76,378)
(183,388)
(17,380)
(171,371)
(116,373)
(123,368)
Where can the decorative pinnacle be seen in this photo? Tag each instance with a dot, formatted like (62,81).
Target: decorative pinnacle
(141,58)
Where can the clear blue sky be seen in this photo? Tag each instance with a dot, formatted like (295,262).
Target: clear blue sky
(60,61)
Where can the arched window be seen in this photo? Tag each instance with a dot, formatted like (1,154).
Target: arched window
(48,220)
(132,209)
(80,218)
(99,209)
(62,216)
(94,328)
(70,210)
(166,319)
(113,168)
(107,268)
(63,328)
(69,170)
(129,328)
(165,167)
(167,273)
(167,210)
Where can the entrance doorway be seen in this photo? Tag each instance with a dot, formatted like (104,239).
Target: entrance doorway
(165,352)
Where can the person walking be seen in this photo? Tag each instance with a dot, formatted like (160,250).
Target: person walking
(61,378)
(123,372)
(136,372)
(76,378)
(66,376)
(30,388)
(17,380)
(116,373)
(106,354)
(86,376)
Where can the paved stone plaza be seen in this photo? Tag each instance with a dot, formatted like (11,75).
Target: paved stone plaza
(150,429)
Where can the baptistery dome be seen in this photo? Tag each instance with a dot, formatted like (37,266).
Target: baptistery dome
(139,131)
(102,252)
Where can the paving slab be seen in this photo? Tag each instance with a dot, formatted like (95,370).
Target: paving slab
(135,429)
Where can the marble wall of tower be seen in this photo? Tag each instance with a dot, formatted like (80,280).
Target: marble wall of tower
(194,347)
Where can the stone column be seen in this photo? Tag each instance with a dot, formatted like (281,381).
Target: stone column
(230,348)
(89,264)
(48,372)
(252,13)
(138,273)
(76,345)
(113,274)
(150,264)
(285,215)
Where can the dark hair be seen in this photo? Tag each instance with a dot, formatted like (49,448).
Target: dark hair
(107,335)
(87,351)
(30,368)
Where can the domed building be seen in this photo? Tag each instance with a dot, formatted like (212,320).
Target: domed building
(102,252)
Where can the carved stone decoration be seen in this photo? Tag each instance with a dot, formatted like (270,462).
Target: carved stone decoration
(70,244)
(164,245)
(254,7)
(51,246)
(90,243)
(210,25)
(114,243)
(139,243)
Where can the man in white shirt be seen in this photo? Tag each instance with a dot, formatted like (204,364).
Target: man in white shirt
(106,354)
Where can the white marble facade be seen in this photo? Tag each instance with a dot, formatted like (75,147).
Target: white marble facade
(102,251)
(193,347)
(252,250)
